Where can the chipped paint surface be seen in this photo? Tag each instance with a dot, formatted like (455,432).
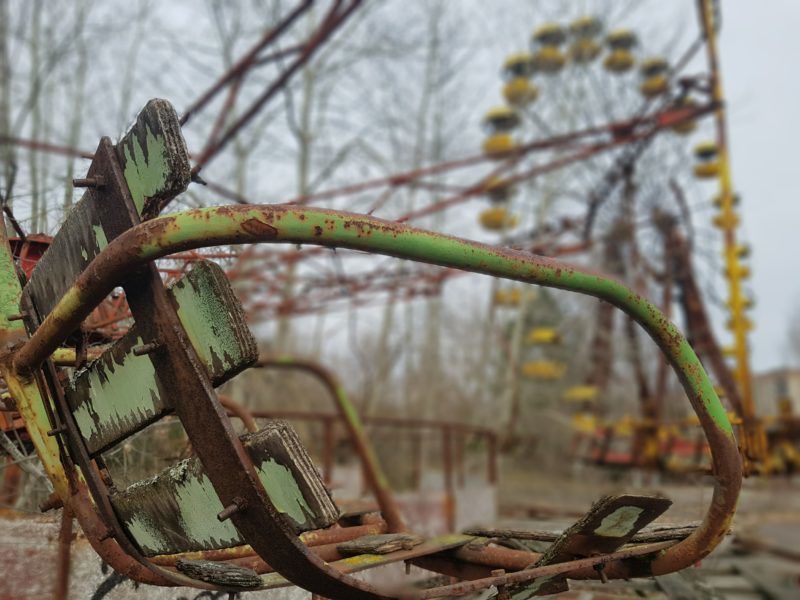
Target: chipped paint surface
(154,158)
(147,534)
(100,237)
(115,396)
(79,240)
(620,522)
(29,401)
(283,490)
(10,292)
(175,511)
(198,506)
(145,168)
(214,321)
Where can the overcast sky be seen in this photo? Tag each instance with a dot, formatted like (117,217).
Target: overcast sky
(759,50)
(759,46)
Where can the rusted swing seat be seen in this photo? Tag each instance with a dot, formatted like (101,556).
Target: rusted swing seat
(252,512)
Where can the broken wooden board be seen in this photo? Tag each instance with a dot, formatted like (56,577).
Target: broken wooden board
(120,392)
(214,321)
(176,511)
(154,158)
(382,543)
(610,523)
(219,573)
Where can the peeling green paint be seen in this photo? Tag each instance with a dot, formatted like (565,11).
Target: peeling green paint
(214,321)
(146,169)
(100,237)
(176,510)
(620,522)
(116,396)
(198,506)
(26,394)
(10,292)
(147,534)
(283,490)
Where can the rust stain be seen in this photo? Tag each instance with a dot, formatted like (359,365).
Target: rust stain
(256,227)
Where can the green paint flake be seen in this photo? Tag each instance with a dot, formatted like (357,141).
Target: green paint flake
(283,491)
(198,506)
(619,523)
(147,534)
(100,237)
(10,291)
(145,171)
(118,394)
(207,322)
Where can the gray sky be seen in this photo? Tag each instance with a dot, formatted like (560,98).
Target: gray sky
(758,39)
(759,47)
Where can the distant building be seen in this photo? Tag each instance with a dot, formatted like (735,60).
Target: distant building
(773,386)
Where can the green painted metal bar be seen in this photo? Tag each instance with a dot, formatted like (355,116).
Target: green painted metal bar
(274,223)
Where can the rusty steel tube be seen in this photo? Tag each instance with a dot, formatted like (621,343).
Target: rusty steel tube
(239,411)
(64,555)
(312,539)
(275,223)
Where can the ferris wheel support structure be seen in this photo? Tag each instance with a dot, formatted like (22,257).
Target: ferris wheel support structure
(753,442)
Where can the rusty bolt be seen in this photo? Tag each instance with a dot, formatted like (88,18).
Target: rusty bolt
(97,181)
(601,570)
(502,591)
(17,317)
(237,505)
(146,348)
(55,431)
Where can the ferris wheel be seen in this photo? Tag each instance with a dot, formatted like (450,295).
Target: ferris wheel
(623,207)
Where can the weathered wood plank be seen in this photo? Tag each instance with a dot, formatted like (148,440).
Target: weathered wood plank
(155,162)
(610,523)
(382,543)
(214,321)
(117,395)
(176,511)
(281,459)
(154,158)
(120,393)
(79,240)
(220,573)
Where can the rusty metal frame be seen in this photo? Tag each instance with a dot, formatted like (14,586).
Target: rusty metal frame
(233,225)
